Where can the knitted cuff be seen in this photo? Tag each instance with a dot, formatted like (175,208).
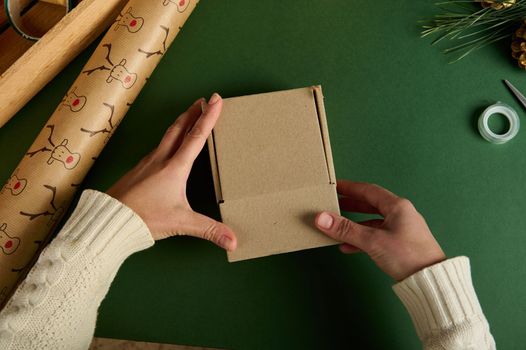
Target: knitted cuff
(440,296)
(74,271)
(104,226)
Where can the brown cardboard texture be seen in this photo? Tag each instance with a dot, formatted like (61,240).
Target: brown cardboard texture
(273,171)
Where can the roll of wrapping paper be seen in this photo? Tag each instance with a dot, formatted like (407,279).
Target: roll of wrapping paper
(35,197)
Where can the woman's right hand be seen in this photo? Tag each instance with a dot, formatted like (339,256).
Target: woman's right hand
(156,188)
(400,243)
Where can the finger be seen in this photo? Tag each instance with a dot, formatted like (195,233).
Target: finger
(349,249)
(353,205)
(375,223)
(195,139)
(201,226)
(344,230)
(175,133)
(376,196)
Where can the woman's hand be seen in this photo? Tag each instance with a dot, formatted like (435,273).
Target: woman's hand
(156,188)
(400,243)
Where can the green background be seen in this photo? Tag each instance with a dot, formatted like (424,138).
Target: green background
(399,115)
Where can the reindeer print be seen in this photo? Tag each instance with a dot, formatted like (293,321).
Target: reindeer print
(3,293)
(117,72)
(106,130)
(54,212)
(181,4)
(160,51)
(129,21)
(60,153)
(15,184)
(39,244)
(8,244)
(73,101)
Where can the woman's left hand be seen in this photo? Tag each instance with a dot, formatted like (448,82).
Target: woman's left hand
(156,188)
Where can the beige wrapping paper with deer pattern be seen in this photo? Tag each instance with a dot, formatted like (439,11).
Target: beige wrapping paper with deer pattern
(35,197)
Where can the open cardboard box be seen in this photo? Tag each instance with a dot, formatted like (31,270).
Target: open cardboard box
(273,171)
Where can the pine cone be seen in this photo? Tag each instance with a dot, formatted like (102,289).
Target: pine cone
(497,5)
(518,46)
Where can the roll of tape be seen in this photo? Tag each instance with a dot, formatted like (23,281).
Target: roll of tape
(16,8)
(509,113)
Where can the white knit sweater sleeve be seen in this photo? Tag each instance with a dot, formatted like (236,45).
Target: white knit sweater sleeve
(444,307)
(56,305)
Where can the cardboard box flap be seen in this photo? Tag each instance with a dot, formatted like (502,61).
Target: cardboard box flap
(322,118)
(270,142)
(278,222)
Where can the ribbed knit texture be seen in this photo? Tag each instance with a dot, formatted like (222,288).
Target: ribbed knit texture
(55,307)
(444,307)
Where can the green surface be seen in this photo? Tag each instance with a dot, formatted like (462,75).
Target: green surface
(398,115)
(498,123)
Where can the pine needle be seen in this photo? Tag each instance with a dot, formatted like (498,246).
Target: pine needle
(470,27)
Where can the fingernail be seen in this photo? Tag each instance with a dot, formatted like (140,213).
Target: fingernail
(214,98)
(204,107)
(199,100)
(225,242)
(325,221)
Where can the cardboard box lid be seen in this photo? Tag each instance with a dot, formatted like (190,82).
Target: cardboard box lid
(272,167)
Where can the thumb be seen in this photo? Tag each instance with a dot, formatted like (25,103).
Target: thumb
(201,226)
(344,230)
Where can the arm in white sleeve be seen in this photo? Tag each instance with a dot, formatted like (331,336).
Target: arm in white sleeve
(444,307)
(55,307)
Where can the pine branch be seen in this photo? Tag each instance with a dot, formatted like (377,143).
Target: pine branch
(469,27)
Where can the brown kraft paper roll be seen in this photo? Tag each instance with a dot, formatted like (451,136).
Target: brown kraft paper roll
(35,197)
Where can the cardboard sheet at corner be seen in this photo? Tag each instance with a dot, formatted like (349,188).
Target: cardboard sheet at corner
(273,171)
